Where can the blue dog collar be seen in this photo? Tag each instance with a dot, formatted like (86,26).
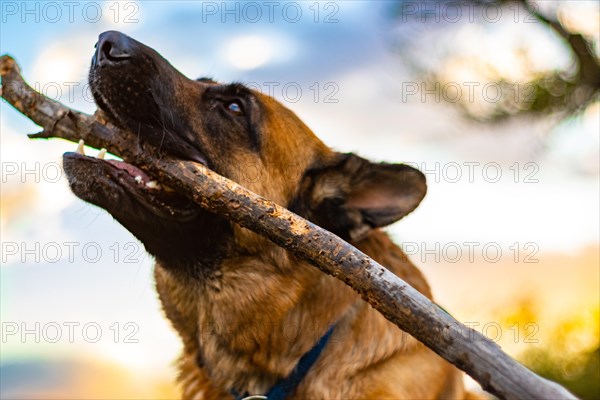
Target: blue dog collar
(286,386)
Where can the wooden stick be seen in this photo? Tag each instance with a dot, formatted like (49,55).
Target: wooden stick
(469,350)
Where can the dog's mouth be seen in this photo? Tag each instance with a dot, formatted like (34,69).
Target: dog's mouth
(124,82)
(112,184)
(138,91)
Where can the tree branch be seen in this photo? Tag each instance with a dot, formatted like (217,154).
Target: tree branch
(589,68)
(396,300)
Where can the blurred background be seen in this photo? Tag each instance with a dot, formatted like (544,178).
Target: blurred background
(496,101)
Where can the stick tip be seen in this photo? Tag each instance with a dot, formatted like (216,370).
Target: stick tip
(7,63)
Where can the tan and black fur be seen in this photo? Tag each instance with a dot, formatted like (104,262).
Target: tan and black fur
(246,309)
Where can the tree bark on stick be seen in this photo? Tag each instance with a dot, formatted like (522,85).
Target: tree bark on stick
(470,351)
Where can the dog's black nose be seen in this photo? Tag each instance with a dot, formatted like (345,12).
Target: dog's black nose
(112,47)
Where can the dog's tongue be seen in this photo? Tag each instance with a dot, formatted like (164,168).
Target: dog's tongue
(140,177)
(131,169)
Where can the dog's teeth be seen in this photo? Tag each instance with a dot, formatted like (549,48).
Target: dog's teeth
(139,179)
(80,147)
(153,185)
(101,154)
(167,188)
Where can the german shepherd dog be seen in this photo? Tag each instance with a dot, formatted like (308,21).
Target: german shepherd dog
(249,313)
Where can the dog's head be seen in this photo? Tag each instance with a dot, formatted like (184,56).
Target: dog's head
(237,132)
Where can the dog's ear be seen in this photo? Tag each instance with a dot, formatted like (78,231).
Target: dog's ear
(350,196)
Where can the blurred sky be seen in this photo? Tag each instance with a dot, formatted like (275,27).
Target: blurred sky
(547,194)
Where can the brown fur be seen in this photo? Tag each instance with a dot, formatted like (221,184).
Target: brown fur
(271,308)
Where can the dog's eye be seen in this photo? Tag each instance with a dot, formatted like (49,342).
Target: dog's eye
(235,108)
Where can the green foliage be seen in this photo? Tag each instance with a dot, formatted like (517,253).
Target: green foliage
(526,80)
(580,374)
